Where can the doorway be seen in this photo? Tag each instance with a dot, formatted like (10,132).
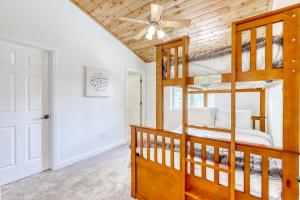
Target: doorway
(134,103)
(24,111)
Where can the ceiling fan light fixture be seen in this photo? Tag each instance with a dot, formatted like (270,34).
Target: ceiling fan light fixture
(151,30)
(149,36)
(160,34)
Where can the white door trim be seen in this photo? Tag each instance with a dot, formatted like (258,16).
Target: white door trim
(53,94)
(143,96)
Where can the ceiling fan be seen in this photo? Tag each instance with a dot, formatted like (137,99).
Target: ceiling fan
(156,23)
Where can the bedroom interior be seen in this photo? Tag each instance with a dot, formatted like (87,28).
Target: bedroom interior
(201,99)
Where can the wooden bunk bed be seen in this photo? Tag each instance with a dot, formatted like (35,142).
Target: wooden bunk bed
(151,179)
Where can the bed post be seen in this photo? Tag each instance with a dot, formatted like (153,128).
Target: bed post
(232,144)
(159,88)
(291,108)
(183,157)
(133,161)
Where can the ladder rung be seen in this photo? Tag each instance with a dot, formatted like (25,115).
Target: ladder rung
(195,196)
(217,167)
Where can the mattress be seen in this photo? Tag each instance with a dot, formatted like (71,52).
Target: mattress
(222,63)
(275,184)
(242,135)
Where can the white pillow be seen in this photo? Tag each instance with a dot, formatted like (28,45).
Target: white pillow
(223,119)
(202,116)
(243,119)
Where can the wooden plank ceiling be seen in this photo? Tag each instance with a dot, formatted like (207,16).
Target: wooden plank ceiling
(210,29)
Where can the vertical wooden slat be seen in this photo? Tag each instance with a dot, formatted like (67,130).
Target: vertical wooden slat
(133,161)
(239,51)
(155,148)
(216,162)
(262,108)
(269,47)
(163,150)
(229,164)
(192,153)
(172,153)
(232,143)
(148,146)
(141,143)
(159,89)
(246,173)
(265,177)
(168,64)
(205,96)
(203,157)
(253,50)
(185,74)
(176,63)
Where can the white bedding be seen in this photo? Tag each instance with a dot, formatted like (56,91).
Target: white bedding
(241,135)
(222,64)
(275,184)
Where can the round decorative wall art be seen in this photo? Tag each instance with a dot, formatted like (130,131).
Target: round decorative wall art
(97,82)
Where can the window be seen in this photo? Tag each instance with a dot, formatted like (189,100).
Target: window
(194,100)
(198,100)
(176,98)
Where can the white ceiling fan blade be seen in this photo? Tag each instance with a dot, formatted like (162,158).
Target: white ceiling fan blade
(127,19)
(156,12)
(140,34)
(175,23)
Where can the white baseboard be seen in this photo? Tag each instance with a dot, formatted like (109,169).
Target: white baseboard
(90,154)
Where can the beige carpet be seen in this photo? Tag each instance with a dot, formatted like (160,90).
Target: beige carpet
(102,177)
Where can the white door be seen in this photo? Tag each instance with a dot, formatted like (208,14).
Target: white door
(24,148)
(134,102)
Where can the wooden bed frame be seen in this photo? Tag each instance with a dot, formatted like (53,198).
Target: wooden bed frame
(153,180)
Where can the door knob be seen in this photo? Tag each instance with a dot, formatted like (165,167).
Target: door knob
(43,117)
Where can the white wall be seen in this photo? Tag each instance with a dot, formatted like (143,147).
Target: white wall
(172,119)
(277,4)
(244,101)
(274,111)
(77,41)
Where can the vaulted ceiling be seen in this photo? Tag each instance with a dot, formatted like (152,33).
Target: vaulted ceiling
(210,28)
